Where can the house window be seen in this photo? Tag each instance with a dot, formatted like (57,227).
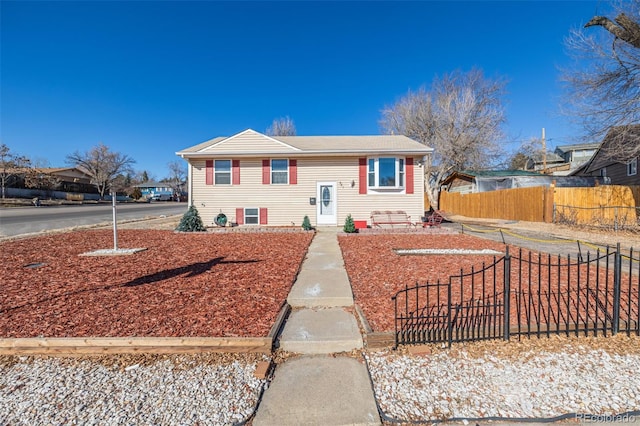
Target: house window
(222,172)
(603,172)
(251,216)
(632,167)
(280,171)
(386,172)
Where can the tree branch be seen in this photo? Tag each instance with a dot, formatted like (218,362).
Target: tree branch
(626,30)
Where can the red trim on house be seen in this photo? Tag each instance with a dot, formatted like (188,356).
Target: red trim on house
(293,172)
(209,172)
(263,216)
(408,175)
(266,172)
(362,175)
(235,175)
(240,216)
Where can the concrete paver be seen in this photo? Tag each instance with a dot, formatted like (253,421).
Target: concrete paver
(321,331)
(328,287)
(319,390)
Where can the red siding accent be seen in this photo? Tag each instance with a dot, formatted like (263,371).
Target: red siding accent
(408,175)
(240,216)
(266,172)
(263,216)
(235,175)
(209,172)
(362,175)
(293,172)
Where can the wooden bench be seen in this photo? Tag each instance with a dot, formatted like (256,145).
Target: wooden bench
(434,219)
(390,218)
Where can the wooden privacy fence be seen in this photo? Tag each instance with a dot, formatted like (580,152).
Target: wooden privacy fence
(602,205)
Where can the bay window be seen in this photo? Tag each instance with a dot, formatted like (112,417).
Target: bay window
(386,172)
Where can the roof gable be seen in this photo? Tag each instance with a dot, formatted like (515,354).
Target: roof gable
(248,141)
(604,156)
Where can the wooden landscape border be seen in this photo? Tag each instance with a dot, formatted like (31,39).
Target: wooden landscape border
(142,345)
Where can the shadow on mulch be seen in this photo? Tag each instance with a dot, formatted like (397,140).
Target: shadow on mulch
(191,271)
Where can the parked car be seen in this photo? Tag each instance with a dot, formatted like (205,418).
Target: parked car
(161,197)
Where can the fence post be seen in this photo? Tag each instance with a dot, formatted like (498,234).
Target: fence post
(507,295)
(617,266)
(395,321)
(449,324)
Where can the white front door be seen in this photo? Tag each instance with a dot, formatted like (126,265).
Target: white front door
(326,203)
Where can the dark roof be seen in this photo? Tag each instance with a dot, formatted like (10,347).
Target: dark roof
(602,158)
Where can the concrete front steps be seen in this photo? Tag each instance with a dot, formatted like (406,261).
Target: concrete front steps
(323,386)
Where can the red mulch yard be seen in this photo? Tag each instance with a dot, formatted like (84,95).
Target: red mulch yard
(539,294)
(377,272)
(185,284)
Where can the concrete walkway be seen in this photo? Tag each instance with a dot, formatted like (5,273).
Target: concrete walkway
(320,387)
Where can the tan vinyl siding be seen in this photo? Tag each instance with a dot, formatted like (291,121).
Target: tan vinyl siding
(249,142)
(288,204)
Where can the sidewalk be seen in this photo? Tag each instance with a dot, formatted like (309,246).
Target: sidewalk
(327,384)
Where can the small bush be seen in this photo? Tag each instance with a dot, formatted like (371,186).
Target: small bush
(191,221)
(349,226)
(306,224)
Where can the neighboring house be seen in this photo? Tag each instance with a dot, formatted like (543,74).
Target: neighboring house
(156,190)
(606,164)
(466,182)
(255,179)
(68,179)
(551,164)
(577,154)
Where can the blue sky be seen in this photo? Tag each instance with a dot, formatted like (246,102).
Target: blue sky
(148,78)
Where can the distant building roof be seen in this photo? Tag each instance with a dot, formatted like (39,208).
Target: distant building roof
(498,173)
(578,147)
(552,157)
(153,184)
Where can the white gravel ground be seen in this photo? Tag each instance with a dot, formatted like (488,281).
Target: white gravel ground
(533,379)
(449,384)
(182,391)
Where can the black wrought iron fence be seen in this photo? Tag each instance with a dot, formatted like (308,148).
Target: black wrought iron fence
(591,295)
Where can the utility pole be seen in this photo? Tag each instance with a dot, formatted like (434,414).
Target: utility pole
(544,153)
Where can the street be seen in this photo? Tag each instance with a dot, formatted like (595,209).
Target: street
(25,220)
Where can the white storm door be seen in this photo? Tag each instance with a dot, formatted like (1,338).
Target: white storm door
(326,203)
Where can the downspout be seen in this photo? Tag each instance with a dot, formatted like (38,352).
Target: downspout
(190,177)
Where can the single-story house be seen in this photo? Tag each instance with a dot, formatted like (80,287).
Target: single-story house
(617,158)
(255,179)
(68,179)
(468,181)
(551,163)
(156,190)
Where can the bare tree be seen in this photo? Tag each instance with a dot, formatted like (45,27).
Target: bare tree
(177,175)
(460,117)
(34,177)
(529,150)
(282,126)
(11,164)
(603,83)
(103,165)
